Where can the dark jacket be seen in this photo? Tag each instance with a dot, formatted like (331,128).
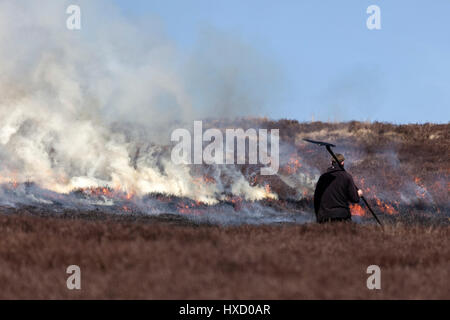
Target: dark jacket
(334,190)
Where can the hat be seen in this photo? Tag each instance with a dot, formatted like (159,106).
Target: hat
(339,156)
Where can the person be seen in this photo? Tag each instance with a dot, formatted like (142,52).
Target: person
(334,191)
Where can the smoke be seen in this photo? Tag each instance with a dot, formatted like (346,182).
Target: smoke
(352,94)
(91,107)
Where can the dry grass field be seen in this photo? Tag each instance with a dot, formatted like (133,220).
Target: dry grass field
(170,258)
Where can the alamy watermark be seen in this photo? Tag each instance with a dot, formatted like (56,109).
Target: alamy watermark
(73,22)
(73,282)
(374,280)
(374,20)
(222,151)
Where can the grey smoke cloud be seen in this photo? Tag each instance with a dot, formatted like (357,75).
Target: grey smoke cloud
(64,95)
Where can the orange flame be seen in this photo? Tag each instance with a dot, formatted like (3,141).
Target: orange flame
(386,208)
(357,210)
(292,165)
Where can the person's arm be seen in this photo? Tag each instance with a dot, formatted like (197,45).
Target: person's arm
(318,195)
(352,191)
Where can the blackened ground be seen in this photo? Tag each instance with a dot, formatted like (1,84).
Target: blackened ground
(168,257)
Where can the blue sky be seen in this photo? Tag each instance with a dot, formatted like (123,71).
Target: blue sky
(334,68)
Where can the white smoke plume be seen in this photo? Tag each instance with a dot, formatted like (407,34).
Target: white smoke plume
(65,97)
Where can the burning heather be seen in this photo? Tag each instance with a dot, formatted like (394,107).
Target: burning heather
(85,123)
(398,168)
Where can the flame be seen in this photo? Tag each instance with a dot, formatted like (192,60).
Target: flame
(357,210)
(237,203)
(112,193)
(421,191)
(129,196)
(208,179)
(292,165)
(386,208)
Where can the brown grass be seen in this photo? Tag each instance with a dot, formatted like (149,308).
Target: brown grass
(163,258)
